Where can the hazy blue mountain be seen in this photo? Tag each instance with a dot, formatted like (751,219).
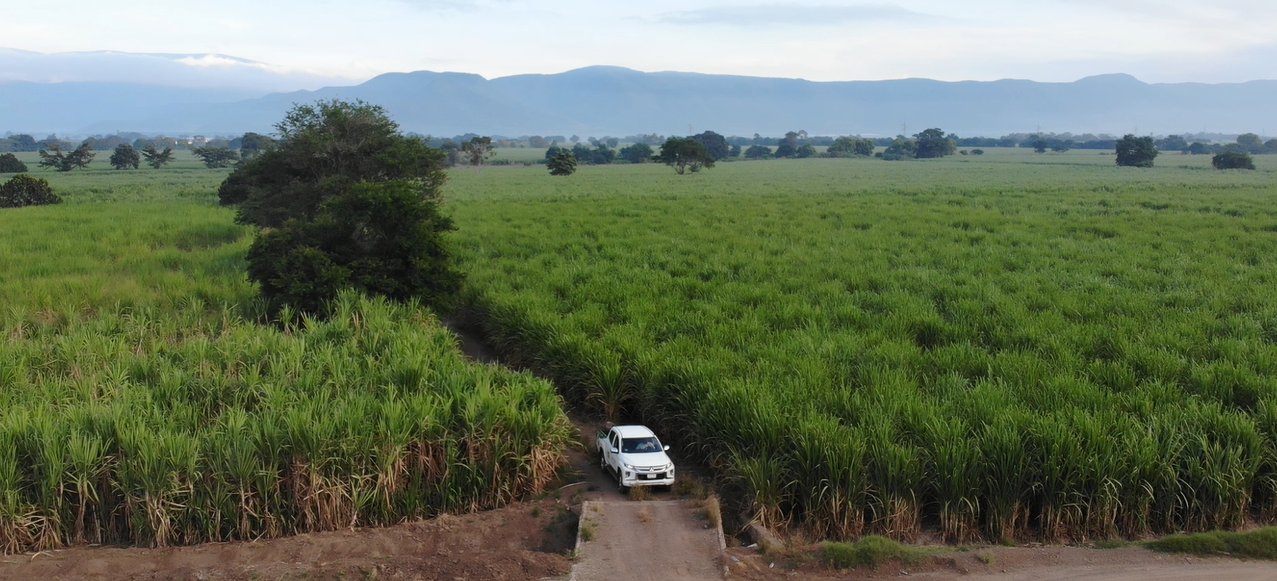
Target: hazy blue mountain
(616,101)
(207,71)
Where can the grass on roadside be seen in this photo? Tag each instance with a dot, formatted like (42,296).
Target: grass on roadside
(870,551)
(1257,544)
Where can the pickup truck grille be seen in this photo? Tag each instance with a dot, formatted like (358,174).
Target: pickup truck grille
(643,469)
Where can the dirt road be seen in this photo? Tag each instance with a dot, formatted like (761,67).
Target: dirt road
(646,540)
(997,563)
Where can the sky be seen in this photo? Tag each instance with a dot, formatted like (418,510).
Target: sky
(1043,40)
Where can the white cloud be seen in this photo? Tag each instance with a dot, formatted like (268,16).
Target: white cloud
(771,15)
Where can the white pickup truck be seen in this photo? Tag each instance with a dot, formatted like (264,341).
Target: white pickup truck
(635,457)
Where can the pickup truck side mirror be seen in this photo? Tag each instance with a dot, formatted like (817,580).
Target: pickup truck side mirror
(667,448)
(615,451)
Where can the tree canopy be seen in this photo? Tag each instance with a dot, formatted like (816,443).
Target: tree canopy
(324,148)
(1135,151)
(78,158)
(849,146)
(125,157)
(157,159)
(23,142)
(9,163)
(599,154)
(933,143)
(477,150)
(685,154)
(345,201)
(716,145)
(1250,143)
(787,146)
(901,148)
(216,157)
(252,144)
(637,153)
(561,162)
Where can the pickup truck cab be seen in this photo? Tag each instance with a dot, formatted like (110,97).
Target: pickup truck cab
(635,456)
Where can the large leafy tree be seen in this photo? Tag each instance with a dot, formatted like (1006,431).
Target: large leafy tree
(1250,143)
(9,163)
(323,148)
(850,146)
(933,143)
(125,157)
(637,153)
(344,200)
(600,154)
(1135,151)
(477,150)
(715,144)
(901,148)
(23,142)
(216,157)
(251,144)
(685,154)
(788,145)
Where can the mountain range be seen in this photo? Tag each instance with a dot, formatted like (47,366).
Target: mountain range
(221,95)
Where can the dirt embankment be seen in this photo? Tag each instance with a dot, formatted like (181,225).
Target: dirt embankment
(527,541)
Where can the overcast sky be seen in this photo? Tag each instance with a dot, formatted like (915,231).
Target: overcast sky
(1045,40)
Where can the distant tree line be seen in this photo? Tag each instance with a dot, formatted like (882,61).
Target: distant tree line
(130,150)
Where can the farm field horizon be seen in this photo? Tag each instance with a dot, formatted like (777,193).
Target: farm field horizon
(1009,346)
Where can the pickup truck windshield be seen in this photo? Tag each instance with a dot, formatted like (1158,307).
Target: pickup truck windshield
(640,445)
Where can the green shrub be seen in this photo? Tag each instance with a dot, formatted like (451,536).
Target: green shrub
(1233,160)
(24,190)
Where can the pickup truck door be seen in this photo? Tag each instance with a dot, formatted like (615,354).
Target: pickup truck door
(613,443)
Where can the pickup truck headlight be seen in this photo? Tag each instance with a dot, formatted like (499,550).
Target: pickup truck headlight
(627,467)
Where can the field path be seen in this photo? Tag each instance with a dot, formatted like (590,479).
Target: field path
(628,539)
(646,540)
